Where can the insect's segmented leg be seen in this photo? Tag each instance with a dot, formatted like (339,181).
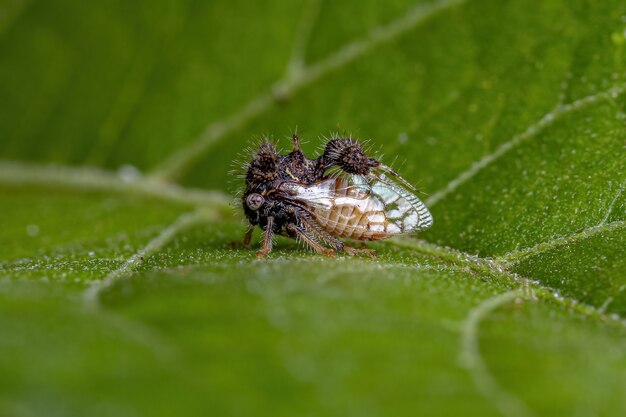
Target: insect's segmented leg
(266,245)
(337,244)
(311,226)
(247,238)
(310,240)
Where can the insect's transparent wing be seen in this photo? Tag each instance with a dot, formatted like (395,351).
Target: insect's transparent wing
(388,207)
(402,207)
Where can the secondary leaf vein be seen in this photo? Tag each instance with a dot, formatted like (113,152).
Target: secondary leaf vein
(132,263)
(470,358)
(180,161)
(514,257)
(547,120)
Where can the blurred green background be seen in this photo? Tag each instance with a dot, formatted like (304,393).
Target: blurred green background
(120,125)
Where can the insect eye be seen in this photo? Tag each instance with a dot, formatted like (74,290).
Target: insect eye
(255,201)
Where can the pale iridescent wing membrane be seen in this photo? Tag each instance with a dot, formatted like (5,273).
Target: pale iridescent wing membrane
(360,207)
(401,205)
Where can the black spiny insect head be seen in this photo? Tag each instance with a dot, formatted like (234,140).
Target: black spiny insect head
(297,197)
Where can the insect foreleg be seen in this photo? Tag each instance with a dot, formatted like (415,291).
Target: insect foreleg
(307,238)
(337,244)
(247,238)
(312,227)
(268,235)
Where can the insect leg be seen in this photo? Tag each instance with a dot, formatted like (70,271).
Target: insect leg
(310,240)
(248,236)
(312,227)
(337,244)
(268,235)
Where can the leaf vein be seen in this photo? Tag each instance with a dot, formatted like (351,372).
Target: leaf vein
(133,262)
(296,63)
(609,211)
(177,164)
(95,179)
(498,273)
(512,258)
(470,358)
(547,120)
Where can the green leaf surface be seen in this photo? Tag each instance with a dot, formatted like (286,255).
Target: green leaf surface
(122,293)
